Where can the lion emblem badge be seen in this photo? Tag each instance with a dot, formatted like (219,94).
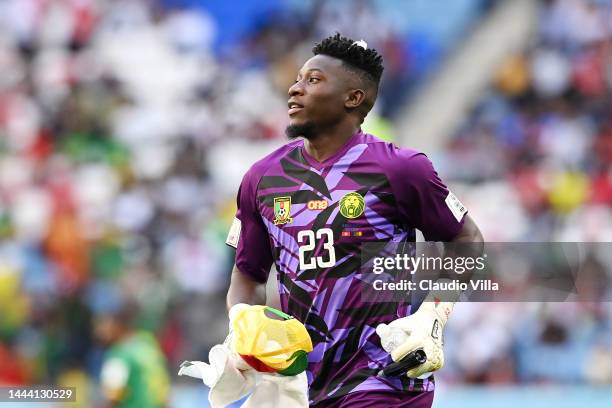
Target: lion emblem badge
(352,205)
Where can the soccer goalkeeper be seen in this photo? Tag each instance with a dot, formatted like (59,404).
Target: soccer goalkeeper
(308,206)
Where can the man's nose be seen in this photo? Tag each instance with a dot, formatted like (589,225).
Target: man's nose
(296,89)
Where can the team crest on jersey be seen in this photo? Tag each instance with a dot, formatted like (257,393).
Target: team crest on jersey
(282,210)
(352,205)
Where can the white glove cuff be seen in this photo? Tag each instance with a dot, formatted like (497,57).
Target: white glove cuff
(434,305)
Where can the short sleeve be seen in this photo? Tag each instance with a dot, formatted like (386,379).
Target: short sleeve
(253,252)
(424,200)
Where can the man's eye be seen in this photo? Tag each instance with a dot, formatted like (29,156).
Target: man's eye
(313,80)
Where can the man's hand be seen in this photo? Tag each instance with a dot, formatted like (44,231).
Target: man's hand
(421,330)
(229,377)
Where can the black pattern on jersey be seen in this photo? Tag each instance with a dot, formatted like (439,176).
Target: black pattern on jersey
(276,181)
(357,378)
(319,389)
(387,198)
(301,307)
(339,270)
(369,179)
(296,154)
(307,176)
(300,285)
(373,311)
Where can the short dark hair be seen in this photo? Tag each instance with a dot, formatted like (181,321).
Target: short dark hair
(366,62)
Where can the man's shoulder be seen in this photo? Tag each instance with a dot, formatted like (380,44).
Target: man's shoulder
(261,166)
(120,352)
(393,157)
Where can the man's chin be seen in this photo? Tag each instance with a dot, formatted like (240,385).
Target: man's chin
(306,130)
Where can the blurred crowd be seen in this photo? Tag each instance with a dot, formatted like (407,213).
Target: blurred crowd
(534,163)
(538,145)
(112,183)
(126,125)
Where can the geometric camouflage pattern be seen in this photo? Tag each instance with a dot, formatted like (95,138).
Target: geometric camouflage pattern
(347,353)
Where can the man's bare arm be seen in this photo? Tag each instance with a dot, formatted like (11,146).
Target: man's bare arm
(470,234)
(244,289)
(468,243)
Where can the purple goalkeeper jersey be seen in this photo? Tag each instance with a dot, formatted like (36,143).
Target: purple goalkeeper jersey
(309,218)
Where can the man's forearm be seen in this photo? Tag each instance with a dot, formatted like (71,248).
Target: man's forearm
(423,328)
(243,289)
(470,236)
(467,244)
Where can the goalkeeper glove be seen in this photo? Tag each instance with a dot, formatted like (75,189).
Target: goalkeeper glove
(421,330)
(229,377)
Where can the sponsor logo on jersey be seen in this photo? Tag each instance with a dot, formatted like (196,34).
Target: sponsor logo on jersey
(352,205)
(282,210)
(317,204)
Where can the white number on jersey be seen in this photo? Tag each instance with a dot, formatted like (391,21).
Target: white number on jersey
(307,238)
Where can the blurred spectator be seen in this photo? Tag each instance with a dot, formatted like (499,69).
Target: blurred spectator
(134,369)
(544,124)
(115,119)
(126,125)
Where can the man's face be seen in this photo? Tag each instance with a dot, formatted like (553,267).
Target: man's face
(105,329)
(317,98)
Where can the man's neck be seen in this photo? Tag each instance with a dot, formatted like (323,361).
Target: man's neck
(329,141)
(124,335)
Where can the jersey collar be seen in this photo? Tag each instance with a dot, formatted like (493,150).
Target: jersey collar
(352,141)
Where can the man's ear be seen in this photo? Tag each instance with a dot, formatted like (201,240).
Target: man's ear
(354,98)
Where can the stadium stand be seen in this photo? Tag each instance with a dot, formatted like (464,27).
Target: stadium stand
(125,127)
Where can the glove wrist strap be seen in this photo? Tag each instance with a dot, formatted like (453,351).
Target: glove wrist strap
(440,303)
